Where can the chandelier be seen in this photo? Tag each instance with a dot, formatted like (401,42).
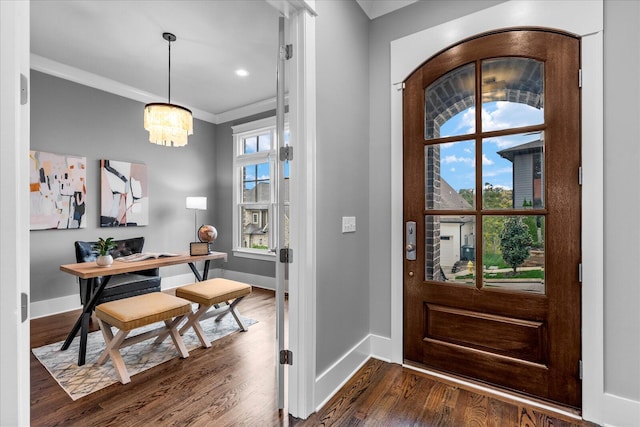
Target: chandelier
(168,124)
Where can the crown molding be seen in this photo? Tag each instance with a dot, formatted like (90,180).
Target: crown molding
(76,75)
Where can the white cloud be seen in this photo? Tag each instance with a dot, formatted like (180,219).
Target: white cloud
(486,161)
(455,159)
(452,169)
(496,172)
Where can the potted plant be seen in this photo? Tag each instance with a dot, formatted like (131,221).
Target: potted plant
(103,247)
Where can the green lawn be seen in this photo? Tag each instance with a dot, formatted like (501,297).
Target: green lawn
(528,274)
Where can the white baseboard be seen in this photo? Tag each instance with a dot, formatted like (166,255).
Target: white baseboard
(331,380)
(54,306)
(380,347)
(72,302)
(620,412)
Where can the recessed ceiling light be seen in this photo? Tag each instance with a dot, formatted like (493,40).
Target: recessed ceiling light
(241,72)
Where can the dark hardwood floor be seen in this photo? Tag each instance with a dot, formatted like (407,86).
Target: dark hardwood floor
(233,384)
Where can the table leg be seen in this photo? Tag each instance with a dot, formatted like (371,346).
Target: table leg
(205,273)
(86,317)
(83,319)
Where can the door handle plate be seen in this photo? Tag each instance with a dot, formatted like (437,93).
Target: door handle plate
(410,251)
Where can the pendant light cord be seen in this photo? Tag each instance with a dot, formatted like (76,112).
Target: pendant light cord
(169,72)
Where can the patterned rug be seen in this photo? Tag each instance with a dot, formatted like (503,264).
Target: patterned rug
(79,381)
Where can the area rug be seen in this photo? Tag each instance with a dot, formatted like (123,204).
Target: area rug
(79,381)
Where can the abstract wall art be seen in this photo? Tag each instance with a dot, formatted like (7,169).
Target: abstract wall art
(124,194)
(57,191)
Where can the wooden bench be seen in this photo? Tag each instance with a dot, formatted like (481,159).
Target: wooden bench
(212,293)
(134,312)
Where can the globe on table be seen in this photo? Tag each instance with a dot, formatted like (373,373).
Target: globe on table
(207,233)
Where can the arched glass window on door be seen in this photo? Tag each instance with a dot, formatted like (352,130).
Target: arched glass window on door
(484,173)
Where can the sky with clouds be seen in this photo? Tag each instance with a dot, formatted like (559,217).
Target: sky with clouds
(457,160)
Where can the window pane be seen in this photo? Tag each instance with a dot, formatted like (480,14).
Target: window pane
(450,248)
(513,171)
(264,142)
(450,171)
(255,228)
(512,93)
(255,183)
(513,252)
(250,145)
(451,96)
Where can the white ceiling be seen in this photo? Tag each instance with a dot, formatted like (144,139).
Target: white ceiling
(376,8)
(120,42)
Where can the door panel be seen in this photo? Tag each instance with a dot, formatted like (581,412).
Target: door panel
(492,146)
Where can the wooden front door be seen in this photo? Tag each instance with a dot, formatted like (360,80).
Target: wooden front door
(491,162)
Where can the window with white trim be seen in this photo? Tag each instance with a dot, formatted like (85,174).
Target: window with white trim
(255,188)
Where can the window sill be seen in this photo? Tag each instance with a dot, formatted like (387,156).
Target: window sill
(263,256)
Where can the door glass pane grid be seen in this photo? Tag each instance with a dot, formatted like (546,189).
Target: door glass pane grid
(451,95)
(512,93)
(513,253)
(513,171)
(450,171)
(450,249)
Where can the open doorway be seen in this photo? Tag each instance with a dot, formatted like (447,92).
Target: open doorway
(147,230)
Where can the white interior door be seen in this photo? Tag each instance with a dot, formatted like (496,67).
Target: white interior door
(14,226)
(282,355)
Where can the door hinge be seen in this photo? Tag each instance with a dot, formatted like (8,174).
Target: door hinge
(286,357)
(580,369)
(24,89)
(286,51)
(580,77)
(580,272)
(580,175)
(286,153)
(24,306)
(286,255)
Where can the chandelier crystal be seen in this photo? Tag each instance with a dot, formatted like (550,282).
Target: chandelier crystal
(168,124)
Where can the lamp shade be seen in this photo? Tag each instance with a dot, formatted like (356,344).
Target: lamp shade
(168,124)
(199,203)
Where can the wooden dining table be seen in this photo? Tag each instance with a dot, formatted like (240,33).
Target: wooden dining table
(91,271)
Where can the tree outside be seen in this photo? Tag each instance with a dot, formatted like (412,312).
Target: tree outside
(515,242)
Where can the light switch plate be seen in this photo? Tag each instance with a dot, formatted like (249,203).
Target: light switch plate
(348,224)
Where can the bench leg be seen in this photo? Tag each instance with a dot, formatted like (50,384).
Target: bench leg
(113,350)
(233,312)
(193,321)
(175,336)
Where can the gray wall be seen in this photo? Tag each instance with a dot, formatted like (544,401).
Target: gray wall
(224,199)
(621,198)
(68,118)
(342,143)
(411,19)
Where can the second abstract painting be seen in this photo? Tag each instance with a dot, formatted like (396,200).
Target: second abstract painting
(124,194)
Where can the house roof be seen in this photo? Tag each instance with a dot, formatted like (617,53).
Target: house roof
(526,148)
(450,199)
